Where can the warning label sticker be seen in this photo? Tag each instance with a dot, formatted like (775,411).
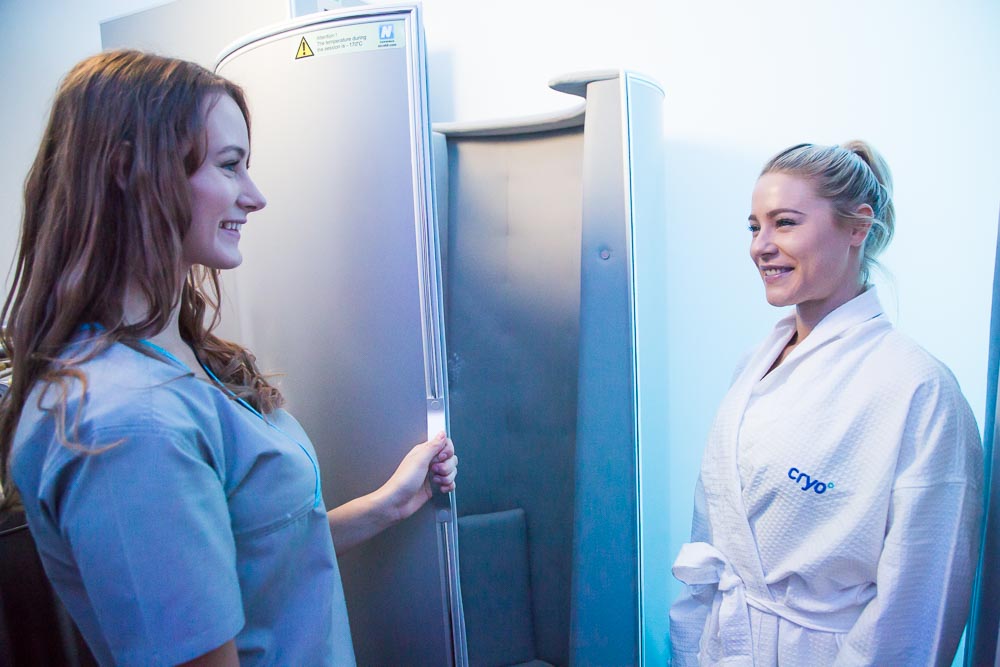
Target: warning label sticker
(348,39)
(304,50)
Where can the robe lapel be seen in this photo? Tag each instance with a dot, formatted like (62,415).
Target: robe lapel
(731,532)
(859,309)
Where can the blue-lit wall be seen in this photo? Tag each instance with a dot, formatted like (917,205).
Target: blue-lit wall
(921,80)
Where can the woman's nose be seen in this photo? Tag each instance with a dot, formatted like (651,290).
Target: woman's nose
(252,199)
(762,245)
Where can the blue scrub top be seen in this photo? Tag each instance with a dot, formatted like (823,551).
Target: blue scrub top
(187,521)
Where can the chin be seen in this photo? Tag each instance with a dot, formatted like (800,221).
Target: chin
(230,259)
(223,263)
(778,300)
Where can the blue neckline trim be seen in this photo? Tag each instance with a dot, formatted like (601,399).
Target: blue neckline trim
(222,387)
(167,354)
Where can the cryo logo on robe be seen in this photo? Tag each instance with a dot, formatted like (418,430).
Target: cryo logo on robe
(807,482)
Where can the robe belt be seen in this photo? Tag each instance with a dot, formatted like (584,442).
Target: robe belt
(700,563)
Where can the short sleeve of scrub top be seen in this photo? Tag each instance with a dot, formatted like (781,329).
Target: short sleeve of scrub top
(199,523)
(147,522)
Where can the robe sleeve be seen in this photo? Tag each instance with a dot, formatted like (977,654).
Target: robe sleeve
(925,571)
(690,611)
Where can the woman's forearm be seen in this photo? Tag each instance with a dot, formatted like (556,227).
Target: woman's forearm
(404,493)
(359,520)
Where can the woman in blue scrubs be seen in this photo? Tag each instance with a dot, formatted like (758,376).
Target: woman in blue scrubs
(175,505)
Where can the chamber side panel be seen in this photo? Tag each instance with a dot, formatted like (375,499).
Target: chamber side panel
(606,585)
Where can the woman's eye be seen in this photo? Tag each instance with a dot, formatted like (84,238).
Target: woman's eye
(784,222)
(230,166)
(753,228)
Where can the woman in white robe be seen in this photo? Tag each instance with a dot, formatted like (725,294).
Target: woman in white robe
(837,512)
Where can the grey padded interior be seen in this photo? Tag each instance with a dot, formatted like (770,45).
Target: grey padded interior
(496,589)
(512,309)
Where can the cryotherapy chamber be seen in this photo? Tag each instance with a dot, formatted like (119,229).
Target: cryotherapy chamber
(504,281)
(552,235)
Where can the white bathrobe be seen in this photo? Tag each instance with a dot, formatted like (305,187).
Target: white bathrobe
(837,513)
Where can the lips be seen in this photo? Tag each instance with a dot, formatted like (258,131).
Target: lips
(773,273)
(231,225)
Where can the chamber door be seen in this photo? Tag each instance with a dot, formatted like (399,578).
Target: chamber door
(339,292)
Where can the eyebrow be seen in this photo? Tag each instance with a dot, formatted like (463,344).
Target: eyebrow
(775,212)
(232,147)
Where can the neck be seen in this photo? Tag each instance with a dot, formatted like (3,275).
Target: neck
(136,309)
(169,338)
(810,313)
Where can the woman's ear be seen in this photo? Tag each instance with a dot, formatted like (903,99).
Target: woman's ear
(861,225)
(121,163)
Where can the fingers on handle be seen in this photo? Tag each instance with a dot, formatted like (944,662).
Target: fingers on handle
(447,450)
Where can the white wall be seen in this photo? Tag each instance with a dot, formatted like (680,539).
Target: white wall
(39,42)
(743,79)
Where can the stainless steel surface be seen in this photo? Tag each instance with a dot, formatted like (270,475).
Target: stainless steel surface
(619,611)
(339,291)
(648,234)
(606,595)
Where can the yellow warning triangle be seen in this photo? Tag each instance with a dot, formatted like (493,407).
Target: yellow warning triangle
(304,50)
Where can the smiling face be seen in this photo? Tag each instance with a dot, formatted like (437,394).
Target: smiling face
(222,193)
(806,257)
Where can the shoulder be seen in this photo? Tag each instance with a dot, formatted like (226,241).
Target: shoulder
(124,388)
(904,363)
(898,365)
(940,439)
(899,382)
(120,394)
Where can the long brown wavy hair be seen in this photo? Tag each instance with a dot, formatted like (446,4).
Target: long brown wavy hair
(106,205)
